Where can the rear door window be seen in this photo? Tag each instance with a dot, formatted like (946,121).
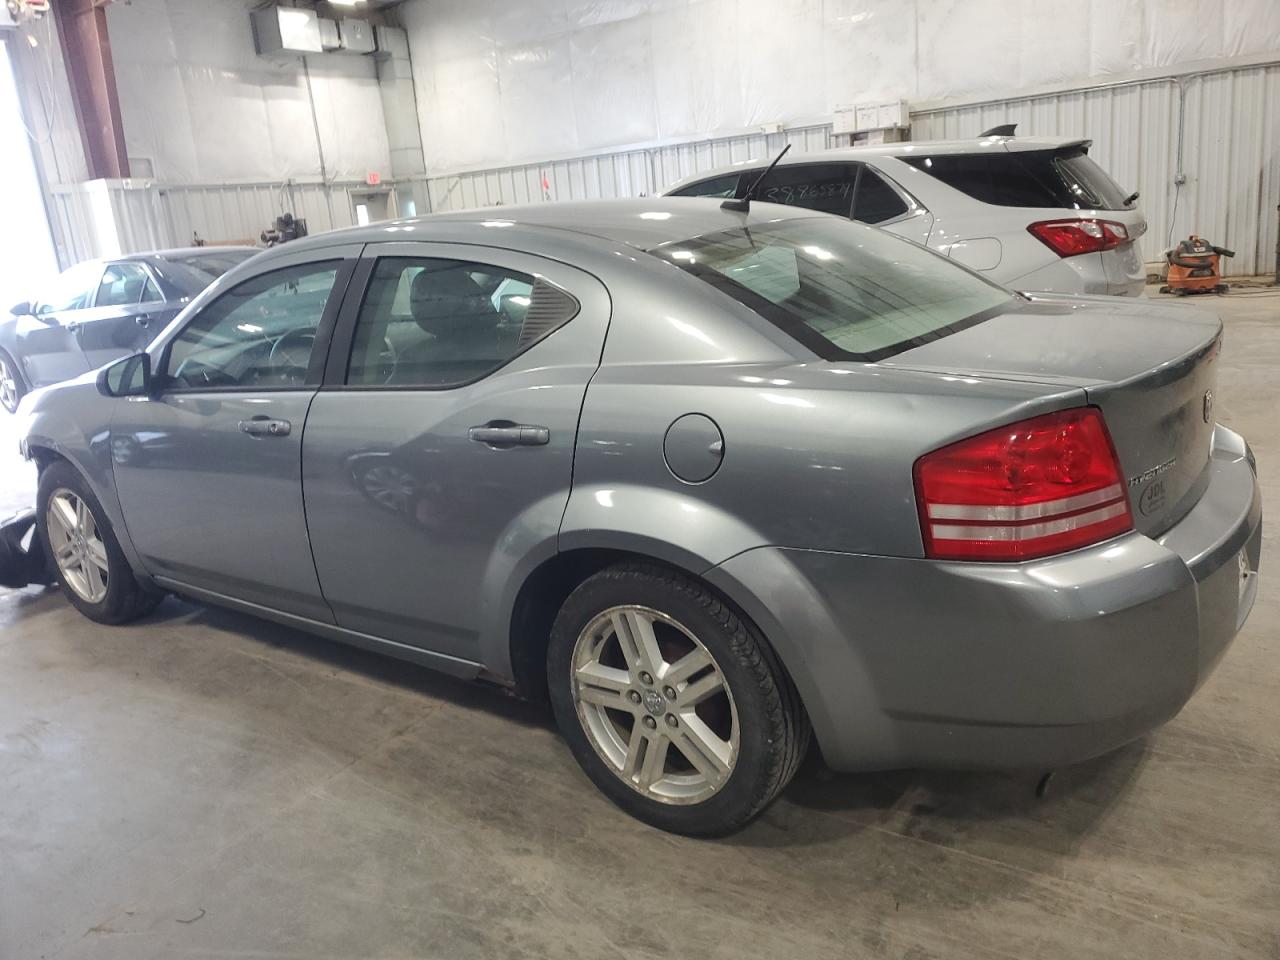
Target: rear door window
(826,187)
(1027,178)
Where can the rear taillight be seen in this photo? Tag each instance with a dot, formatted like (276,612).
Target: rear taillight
(1034,488)
(1069,238)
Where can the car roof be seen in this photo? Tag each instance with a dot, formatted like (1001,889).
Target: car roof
(644,223)
(906,149)
(185,253)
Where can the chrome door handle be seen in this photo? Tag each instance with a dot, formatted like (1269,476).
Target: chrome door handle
(143,320)
(510,435)
(265,427)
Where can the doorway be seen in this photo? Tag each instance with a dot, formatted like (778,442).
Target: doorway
(371,206)
(26,249)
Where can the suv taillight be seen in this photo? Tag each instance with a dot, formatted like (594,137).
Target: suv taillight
(1069,238)
(1033,488)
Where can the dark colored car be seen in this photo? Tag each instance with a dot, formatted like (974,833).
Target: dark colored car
(100,310)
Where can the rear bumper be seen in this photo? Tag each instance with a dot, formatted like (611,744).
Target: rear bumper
(908,662)
(1085,274)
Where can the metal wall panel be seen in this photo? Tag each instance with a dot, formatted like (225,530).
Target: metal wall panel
(631,173)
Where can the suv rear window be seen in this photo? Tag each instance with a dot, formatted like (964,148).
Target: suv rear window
(844,290)
(1030,178)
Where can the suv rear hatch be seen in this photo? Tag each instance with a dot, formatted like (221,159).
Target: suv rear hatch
(1151,369)
(1054,184)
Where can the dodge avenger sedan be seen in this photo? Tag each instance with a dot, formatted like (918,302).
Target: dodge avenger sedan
(714,481)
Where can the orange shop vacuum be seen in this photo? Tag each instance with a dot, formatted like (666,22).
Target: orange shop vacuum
(1194,267)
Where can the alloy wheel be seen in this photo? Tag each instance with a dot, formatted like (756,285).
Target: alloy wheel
(8,386)
(655,705)
(77,546)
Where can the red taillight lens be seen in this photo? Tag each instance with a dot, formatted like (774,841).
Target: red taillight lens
(1034,488)
(1069,238)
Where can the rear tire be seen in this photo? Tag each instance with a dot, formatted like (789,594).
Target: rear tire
(12,386)
(673,705)
(83,551)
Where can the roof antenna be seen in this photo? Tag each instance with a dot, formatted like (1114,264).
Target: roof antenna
(1004,130)
(743,204)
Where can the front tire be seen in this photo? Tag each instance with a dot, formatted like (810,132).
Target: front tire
(12,386)
(83,549)
(671,703)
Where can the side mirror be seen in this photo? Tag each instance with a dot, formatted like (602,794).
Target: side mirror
(23,308)
(127,377)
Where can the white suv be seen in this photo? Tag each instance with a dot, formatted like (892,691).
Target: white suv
(1031,213)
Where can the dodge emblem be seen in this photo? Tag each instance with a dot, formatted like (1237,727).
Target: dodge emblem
(1208,406)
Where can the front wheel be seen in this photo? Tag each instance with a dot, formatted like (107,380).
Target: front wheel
(672,705)
(77,537)
(12,387)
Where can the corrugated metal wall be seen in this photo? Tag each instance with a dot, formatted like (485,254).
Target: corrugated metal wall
(105,218)
(1231,156)
(632,173)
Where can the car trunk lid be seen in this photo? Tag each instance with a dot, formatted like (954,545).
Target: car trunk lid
(1151,370)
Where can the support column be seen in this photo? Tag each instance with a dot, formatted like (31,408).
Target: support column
(86,49)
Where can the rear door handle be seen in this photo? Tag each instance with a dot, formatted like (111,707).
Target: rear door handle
(143,320)
(265,427)
(510,435)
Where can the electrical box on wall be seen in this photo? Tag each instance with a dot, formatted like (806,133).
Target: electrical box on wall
(878,115)
(285,30)
(356,35)
(330,38)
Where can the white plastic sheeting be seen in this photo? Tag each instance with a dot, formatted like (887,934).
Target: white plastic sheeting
(203,107)
(502,83)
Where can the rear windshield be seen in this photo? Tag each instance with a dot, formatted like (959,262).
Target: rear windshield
(1031,178)
(845,291)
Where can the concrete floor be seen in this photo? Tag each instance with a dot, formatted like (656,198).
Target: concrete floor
(206,785)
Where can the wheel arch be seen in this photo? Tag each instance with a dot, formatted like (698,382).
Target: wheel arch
(547,586)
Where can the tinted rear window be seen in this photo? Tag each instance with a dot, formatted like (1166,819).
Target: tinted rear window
(1033,178)
(845,291)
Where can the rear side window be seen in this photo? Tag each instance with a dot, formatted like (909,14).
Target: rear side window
(726,186)
(1032,178)
(826,187)
(876,201)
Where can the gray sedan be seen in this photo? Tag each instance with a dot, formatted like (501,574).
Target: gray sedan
(714,482)
(100,310)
